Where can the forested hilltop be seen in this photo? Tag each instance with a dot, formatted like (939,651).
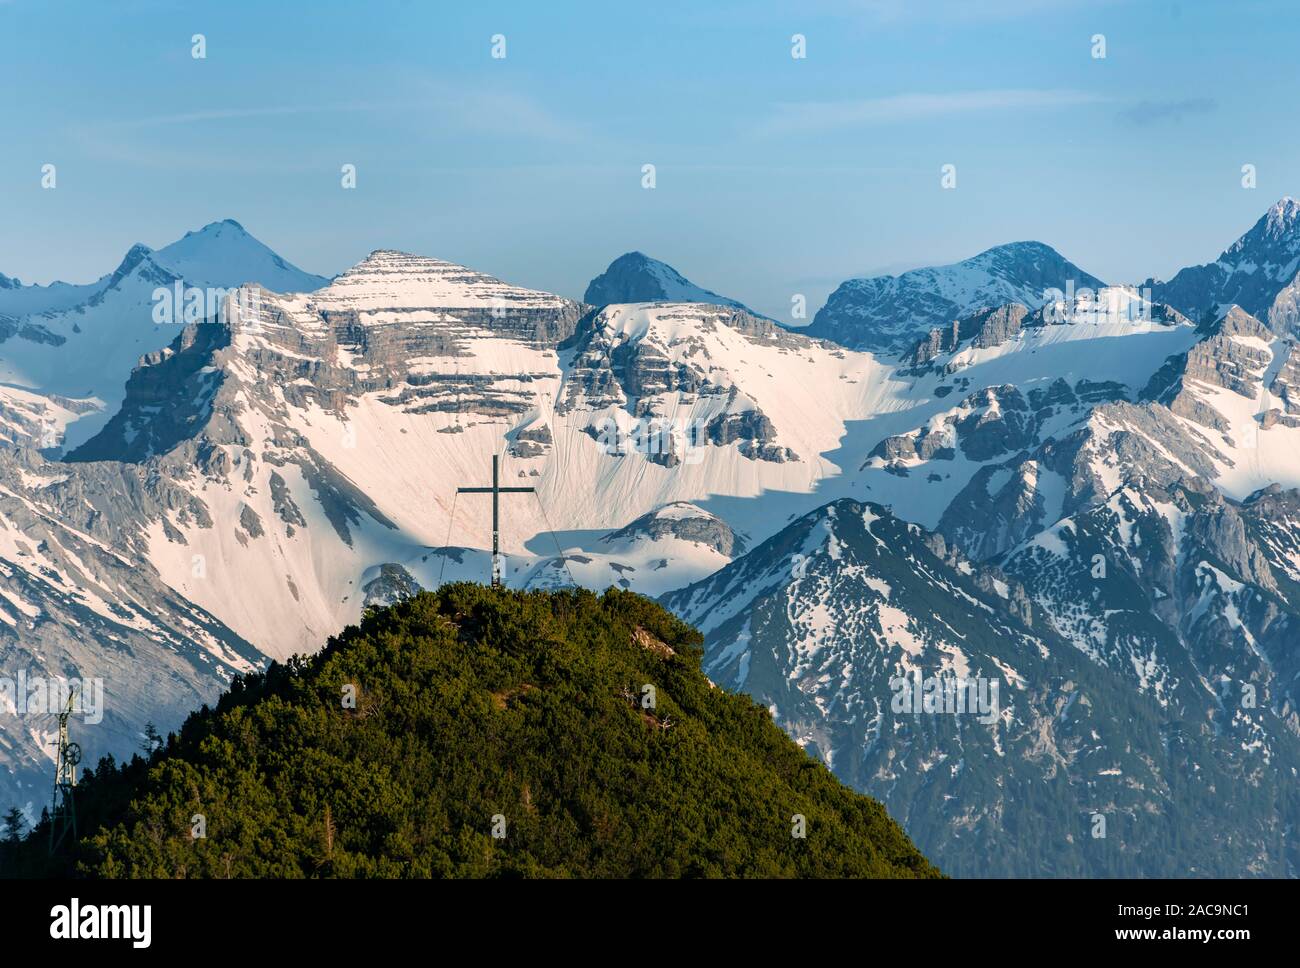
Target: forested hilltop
(480,733)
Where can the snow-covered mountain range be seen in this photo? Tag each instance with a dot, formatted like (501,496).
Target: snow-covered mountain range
(66,351)
(940,502)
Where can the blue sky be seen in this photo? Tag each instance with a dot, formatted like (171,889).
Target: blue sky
(774,175)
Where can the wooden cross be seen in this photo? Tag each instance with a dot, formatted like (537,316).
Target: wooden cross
(495,490)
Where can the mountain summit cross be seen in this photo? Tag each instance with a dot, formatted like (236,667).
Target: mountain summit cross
(495,490)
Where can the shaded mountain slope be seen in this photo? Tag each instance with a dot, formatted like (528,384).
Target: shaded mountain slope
(637,278)
(1068,768)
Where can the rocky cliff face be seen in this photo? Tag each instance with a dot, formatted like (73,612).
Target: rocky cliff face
(985,328)
(1233,356)
(79,600)
(996,326)
(655,367)
(377,330)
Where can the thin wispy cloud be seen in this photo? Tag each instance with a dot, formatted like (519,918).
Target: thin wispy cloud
(450,109)
(885,13)
(231,114)
(149,142)
(501,112)
(952,11)
(808,116)
(1157,112)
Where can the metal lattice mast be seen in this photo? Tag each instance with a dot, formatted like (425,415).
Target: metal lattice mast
(63,813)
(495,490)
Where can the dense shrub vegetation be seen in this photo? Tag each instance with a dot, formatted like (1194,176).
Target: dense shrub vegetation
(401,747)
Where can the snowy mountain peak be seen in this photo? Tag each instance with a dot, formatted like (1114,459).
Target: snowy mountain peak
(80,342)
(139,262)
(391,280)
(216,229)
(1258,272)
(1276,232)
(134,256)
(1282,217)
(1025,248)
(636,278)
(890,313)
(223,254)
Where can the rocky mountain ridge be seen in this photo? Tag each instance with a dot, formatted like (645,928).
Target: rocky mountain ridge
(274,469)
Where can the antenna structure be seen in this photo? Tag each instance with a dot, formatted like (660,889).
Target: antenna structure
(63,815)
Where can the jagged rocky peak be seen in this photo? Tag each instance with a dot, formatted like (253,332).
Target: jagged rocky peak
(890,313)
(685,521)
(1007,502)
(826,620)
(1283,217)
(1278,227)
(141,262)
(415,329)
(134,256)
(1260,272)
(636,278)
